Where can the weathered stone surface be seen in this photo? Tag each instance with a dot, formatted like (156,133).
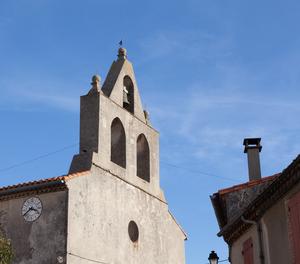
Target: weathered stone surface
(237,201)
(101,206)
(119,189)
(41,241)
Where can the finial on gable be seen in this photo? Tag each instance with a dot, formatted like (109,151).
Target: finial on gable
(147,117)
(122,53)
(96,83)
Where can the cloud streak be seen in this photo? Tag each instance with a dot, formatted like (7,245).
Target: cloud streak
(29,97)
(225,100)
(191,45)
(63,102)
(214,126)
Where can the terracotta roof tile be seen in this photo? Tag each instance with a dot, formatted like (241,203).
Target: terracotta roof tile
(276,190)
(247,184)
(62,178)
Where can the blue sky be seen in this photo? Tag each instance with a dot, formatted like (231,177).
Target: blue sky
(209,72)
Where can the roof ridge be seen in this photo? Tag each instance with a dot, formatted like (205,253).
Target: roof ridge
(277,189)
(247,184)
(45,180)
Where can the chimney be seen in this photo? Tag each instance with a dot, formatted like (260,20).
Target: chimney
(252,148)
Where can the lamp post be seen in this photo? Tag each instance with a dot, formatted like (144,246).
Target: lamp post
(213,258)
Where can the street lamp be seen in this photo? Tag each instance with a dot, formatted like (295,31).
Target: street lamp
(213,258)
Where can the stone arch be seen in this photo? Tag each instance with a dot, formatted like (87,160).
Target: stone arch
(128,94)
(143,158)
(118,143)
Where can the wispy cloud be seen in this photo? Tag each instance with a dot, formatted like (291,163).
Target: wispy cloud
(53,100)
(191,44)
(214,126)
(239,99)
(33,95)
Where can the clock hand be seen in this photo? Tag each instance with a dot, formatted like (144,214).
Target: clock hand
(28,211)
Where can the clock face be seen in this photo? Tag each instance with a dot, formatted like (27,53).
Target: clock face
(32,209)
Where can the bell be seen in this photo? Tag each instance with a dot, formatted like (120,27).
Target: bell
(125,96)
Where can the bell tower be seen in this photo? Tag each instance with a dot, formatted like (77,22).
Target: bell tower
(115,132)
(118,208)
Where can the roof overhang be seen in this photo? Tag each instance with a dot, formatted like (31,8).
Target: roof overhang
(256,209)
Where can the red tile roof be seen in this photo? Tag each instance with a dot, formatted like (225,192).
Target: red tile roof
(62,178)
(277,189)
(247,184)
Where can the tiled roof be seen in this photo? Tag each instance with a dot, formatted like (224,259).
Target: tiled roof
(74,175)
(279,187)
(248,184)
(219,199)
(32,183)
(51,184)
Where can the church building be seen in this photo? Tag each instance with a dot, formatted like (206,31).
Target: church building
(109,208)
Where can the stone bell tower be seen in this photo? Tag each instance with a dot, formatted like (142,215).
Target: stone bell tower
(115,132)
(119,209)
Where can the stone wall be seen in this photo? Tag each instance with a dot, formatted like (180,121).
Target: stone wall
(41,241)
(101,205)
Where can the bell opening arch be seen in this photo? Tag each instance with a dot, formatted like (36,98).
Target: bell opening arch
(143,158)
(118,143)
(128,94)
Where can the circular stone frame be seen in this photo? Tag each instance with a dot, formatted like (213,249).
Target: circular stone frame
(133,231)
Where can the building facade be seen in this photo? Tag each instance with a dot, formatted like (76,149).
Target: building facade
(109,208)
(260,219)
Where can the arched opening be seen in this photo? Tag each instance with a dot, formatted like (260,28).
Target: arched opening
(128,94)
(143,158)
(118,143)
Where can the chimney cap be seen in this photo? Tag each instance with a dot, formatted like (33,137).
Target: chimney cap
(252,143)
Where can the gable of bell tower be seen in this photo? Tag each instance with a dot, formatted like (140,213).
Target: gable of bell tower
(121,87)
(115,133)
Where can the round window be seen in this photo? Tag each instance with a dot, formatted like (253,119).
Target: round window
(133,231)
